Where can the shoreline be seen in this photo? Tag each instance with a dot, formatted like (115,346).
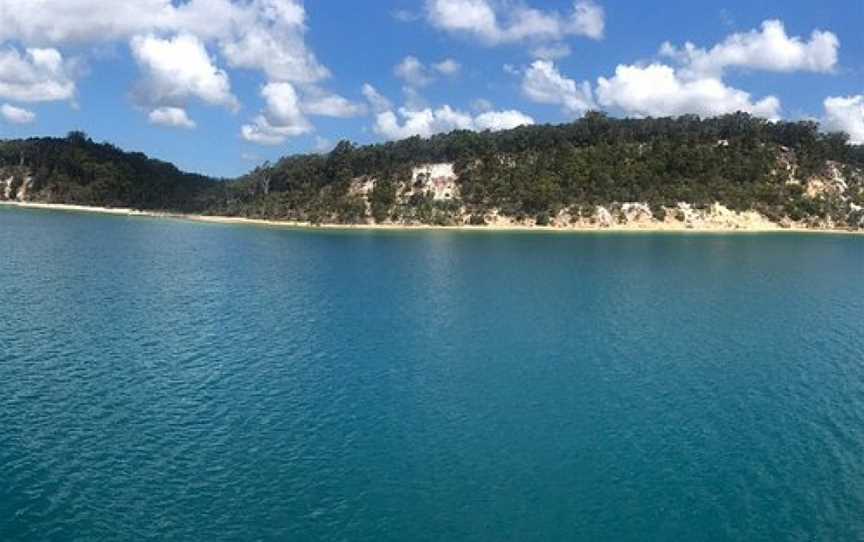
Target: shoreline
(228,220)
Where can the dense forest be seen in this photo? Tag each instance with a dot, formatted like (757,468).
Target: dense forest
(532,174)
(76,170)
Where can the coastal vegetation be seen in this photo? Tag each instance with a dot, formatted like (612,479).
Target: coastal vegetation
(581,171)
(75,170)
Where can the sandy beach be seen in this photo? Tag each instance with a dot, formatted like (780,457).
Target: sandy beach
(643,227)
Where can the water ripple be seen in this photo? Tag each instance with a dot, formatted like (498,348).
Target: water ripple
(169,381)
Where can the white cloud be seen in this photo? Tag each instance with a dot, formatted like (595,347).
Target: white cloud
(427,122)
(514,22)
(416,74)
(323,145)
(447,67)
(467,16)
(174,117)
(262,132)
(501,120)
(422,123)
(282,118)
(17,115)
(413,72)
(543,83)
(588,19)
(283,105)
(768,49)
(846,114)
(40,75)
(59,22)
(275,43)
(551,52)
(695,84)
(180,68)
(266,35)
(321,103)
(658,90)
(378,102)
(413,99)
(481,105)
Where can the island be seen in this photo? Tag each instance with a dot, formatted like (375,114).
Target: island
(732,172)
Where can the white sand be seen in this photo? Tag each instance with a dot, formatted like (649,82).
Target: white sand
(646,227)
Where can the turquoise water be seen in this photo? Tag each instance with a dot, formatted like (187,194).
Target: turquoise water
(164,380)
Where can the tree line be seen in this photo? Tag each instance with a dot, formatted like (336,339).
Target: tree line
(738,160)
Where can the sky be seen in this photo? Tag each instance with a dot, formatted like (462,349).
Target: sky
(219,86)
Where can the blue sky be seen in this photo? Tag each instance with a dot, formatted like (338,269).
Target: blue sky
(218,86)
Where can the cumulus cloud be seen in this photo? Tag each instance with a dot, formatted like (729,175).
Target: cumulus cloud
(501,120)
(39,75)
(171,41)
(694,83)
(266,35)
(658,90)
(323,145)
(256,34)
(846,114)
(378,102)
(543,83)
(324,104)
(514,22)
(60,22)
(416,118)
(767,49)
(423,123)
(447,67)
(588,19)
(81,22)
(427,122)
(475,17)
(283,106)
(416,74)
(275,43)
(482,105)
(174,117)
(16,115)
(262,132)
(281,119)
(413,72)
(551,52)
(413,99)
(180,68)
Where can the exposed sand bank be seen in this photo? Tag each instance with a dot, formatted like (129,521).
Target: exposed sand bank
(641,226)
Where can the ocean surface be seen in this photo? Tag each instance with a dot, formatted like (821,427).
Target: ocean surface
(168,380)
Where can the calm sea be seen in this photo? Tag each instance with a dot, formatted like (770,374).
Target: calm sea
(165,380)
